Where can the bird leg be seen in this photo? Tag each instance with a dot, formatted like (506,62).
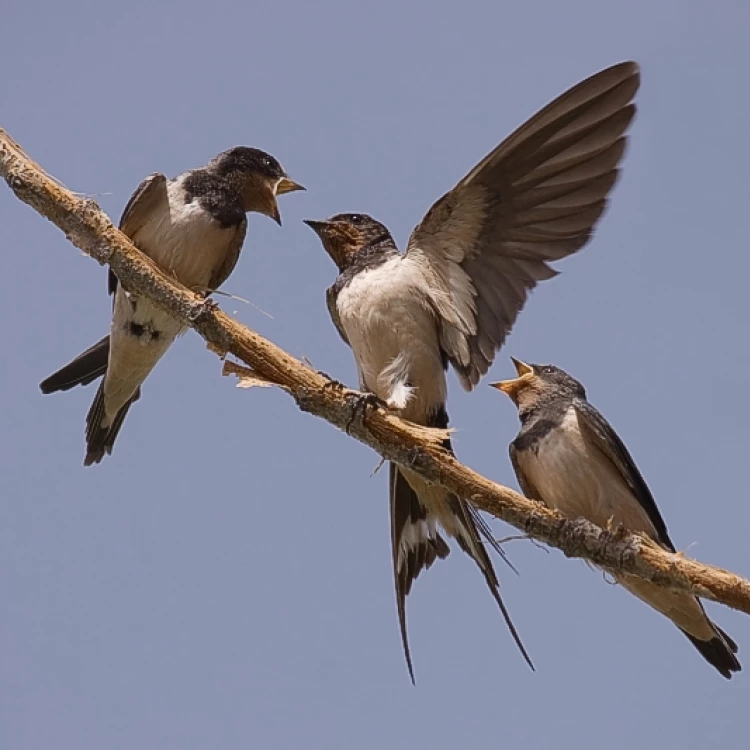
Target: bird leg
(413,456)
(208,304)
(332,382)
(362,402)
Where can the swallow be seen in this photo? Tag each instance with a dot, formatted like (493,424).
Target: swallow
(192,227)
(453,296)
(569,457)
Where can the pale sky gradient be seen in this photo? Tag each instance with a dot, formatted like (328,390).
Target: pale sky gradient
(224,579)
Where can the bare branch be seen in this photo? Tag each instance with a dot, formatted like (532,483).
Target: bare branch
(409,445)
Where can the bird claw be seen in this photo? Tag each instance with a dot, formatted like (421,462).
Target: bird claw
(361,403)
(208,305)
(332,382)
(413,456)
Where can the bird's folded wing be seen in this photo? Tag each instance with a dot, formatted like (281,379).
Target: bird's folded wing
(536,198)
(148,197)
(331,297)
(600,433)
(224,270)
(524,482)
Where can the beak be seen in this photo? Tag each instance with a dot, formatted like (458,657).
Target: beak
(274,212)
(521,367)
(285,185)
(319,227)
(512,387)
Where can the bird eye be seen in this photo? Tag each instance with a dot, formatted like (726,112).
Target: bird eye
(355,219)
(548,370)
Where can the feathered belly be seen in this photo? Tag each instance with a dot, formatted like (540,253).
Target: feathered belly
(187,242)
(579,480)
(393,335)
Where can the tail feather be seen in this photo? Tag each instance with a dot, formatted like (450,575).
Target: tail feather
(472,545)
(472,523)
(416,545)
(719,652)
(100,439)
(485,530)
(84,369)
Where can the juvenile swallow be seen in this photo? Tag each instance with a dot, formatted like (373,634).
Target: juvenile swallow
(568,457)
(454,295)
(192,227)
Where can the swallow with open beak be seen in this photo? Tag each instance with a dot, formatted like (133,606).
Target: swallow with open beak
(192,227)
(456,292)
(568,457)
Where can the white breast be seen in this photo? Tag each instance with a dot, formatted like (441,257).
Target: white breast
(185,241)
(393,334)
(576,478)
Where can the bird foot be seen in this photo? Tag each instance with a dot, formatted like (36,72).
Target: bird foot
(363,402)
(332,383)
(208,305)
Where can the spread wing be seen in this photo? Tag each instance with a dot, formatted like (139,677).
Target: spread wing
(536,198)
(224,271)
(148,196)
(596,429)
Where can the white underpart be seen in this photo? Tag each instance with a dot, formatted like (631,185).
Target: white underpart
(400,395)
(393,334)
(575,477)
(413,536)
(395,378)
(187,244)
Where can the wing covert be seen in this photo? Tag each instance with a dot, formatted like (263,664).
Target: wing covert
(601,433)
(146,198)
(535,199)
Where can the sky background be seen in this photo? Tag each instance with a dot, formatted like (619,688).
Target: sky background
(224,579)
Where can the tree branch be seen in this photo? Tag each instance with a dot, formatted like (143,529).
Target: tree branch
(409,445)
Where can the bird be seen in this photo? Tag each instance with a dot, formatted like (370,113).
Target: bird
(193,227)
(569,457)
(454,295)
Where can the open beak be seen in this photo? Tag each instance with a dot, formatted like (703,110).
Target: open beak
(285,185)
(274,212)
(522,368)
(513,386)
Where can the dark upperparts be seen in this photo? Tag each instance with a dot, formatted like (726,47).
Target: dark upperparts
(367,257)
(220,197)
(236,181)
(558,381)
(370,230)
(354,242)
(244,159)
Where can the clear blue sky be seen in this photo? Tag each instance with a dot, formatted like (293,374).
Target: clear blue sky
(224,580)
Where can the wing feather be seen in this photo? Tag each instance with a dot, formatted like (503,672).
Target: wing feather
(147,198)
(524,482)
(224,271)
(536,198)
(331,297)
(601,434)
